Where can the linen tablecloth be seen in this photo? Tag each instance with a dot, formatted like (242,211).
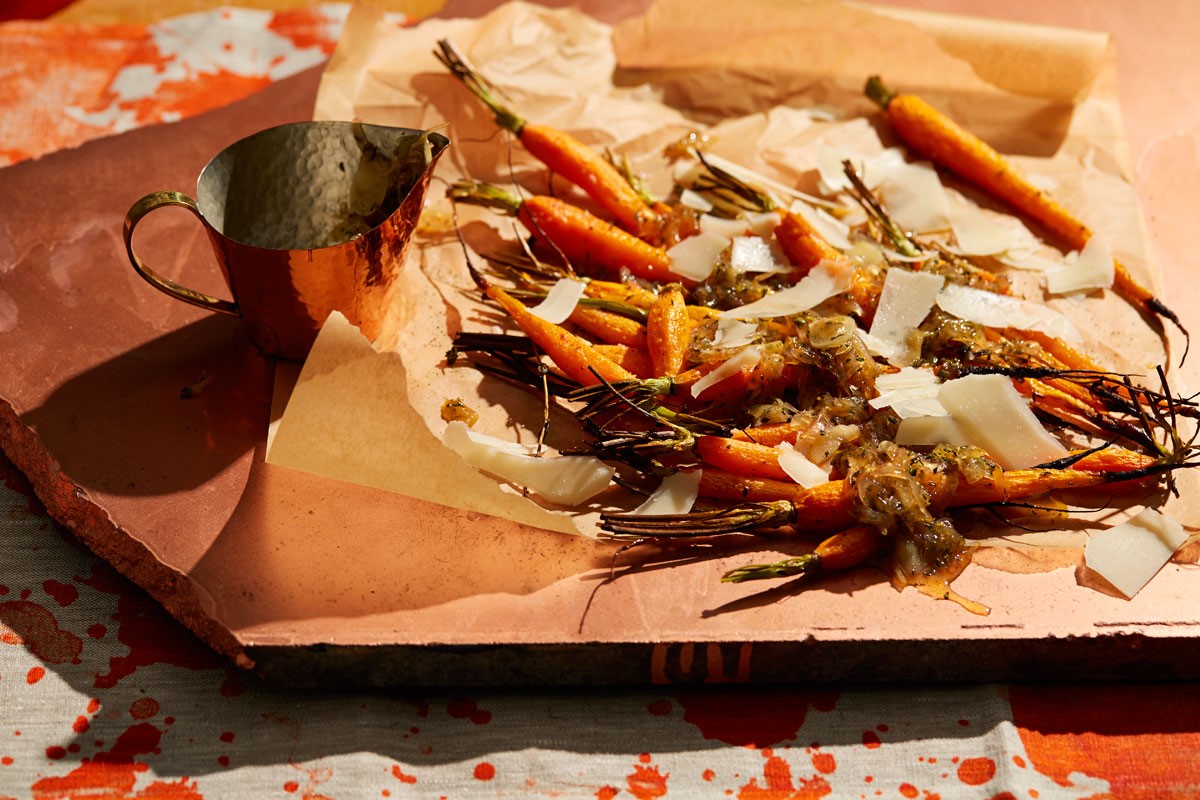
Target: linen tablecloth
(104,695)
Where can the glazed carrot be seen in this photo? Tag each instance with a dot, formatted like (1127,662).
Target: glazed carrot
(559,151)
(631,358)
(668,332)
(629,293)
(844,550)
(759,380)
(774,433)
(587,242)
(934,135)
(608,327)
(575,357)
(740,457)
(802,244)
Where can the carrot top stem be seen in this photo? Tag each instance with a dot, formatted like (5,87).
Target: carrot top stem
(478,193)
(785,568)
(460,68)
(878,91)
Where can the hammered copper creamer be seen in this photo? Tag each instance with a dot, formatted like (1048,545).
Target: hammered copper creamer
(305,219)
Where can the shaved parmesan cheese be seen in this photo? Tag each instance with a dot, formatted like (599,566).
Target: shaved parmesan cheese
(696,256)
(822,283)
(746,359)
(720,226)
(799,468)
(733,333)
(763,223)
(756,254)
(833,230)
(754,179)
(991,414)
(567,480)
(1129,555)
(915,198)
(693,199)
(1003,311)
(560,301)
(905,301)
(675,495)
(911,392)
(982,233)
(1092,268)
(930,430)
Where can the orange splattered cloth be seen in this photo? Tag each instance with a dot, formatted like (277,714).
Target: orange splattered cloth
(66,84)
(103,695)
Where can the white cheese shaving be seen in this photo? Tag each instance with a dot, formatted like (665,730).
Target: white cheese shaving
(560,301)
(1129,555)
(905,301)
(733,333)
(693,199)
(914,197)
(756,180)
(821,283)
(799,468)
(1003,311)
(756,254)
(696,256)
(745,359)
(1091,268)
(719,226)
(993,416)
(831,229)
(675,495)
(911,392)
(567,480)
(763,223)
(930,430)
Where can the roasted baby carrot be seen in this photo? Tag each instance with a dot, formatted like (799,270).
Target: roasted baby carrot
(562,153)
(588,243)
(668,332)
(740,457)
(575,357)
(802,244)
(609,328)
(844,550)
(631,358)
(934,135)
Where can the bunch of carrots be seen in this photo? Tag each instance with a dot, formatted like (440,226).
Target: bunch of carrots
(634,359)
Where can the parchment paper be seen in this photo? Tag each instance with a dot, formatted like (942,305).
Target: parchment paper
(749,74)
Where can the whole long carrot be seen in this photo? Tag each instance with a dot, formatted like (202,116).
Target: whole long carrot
(828,507)
(560,152)
(572,355)
(937,137)
(589,243)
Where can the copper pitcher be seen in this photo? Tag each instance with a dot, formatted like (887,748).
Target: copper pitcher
(305,219)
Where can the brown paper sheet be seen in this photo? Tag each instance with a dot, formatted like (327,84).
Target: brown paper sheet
(746,74)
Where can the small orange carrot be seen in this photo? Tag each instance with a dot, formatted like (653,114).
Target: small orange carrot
(575,357)
(802,244)
(740,457)
(759,380)
(629,293)
(587,242)
(844,550)
(668,332)
(608,327)
(631,358)
(934,135)
(562,153)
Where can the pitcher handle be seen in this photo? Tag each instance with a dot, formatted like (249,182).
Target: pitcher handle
(140,209)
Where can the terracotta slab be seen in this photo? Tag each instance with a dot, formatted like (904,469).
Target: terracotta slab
(319,582)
